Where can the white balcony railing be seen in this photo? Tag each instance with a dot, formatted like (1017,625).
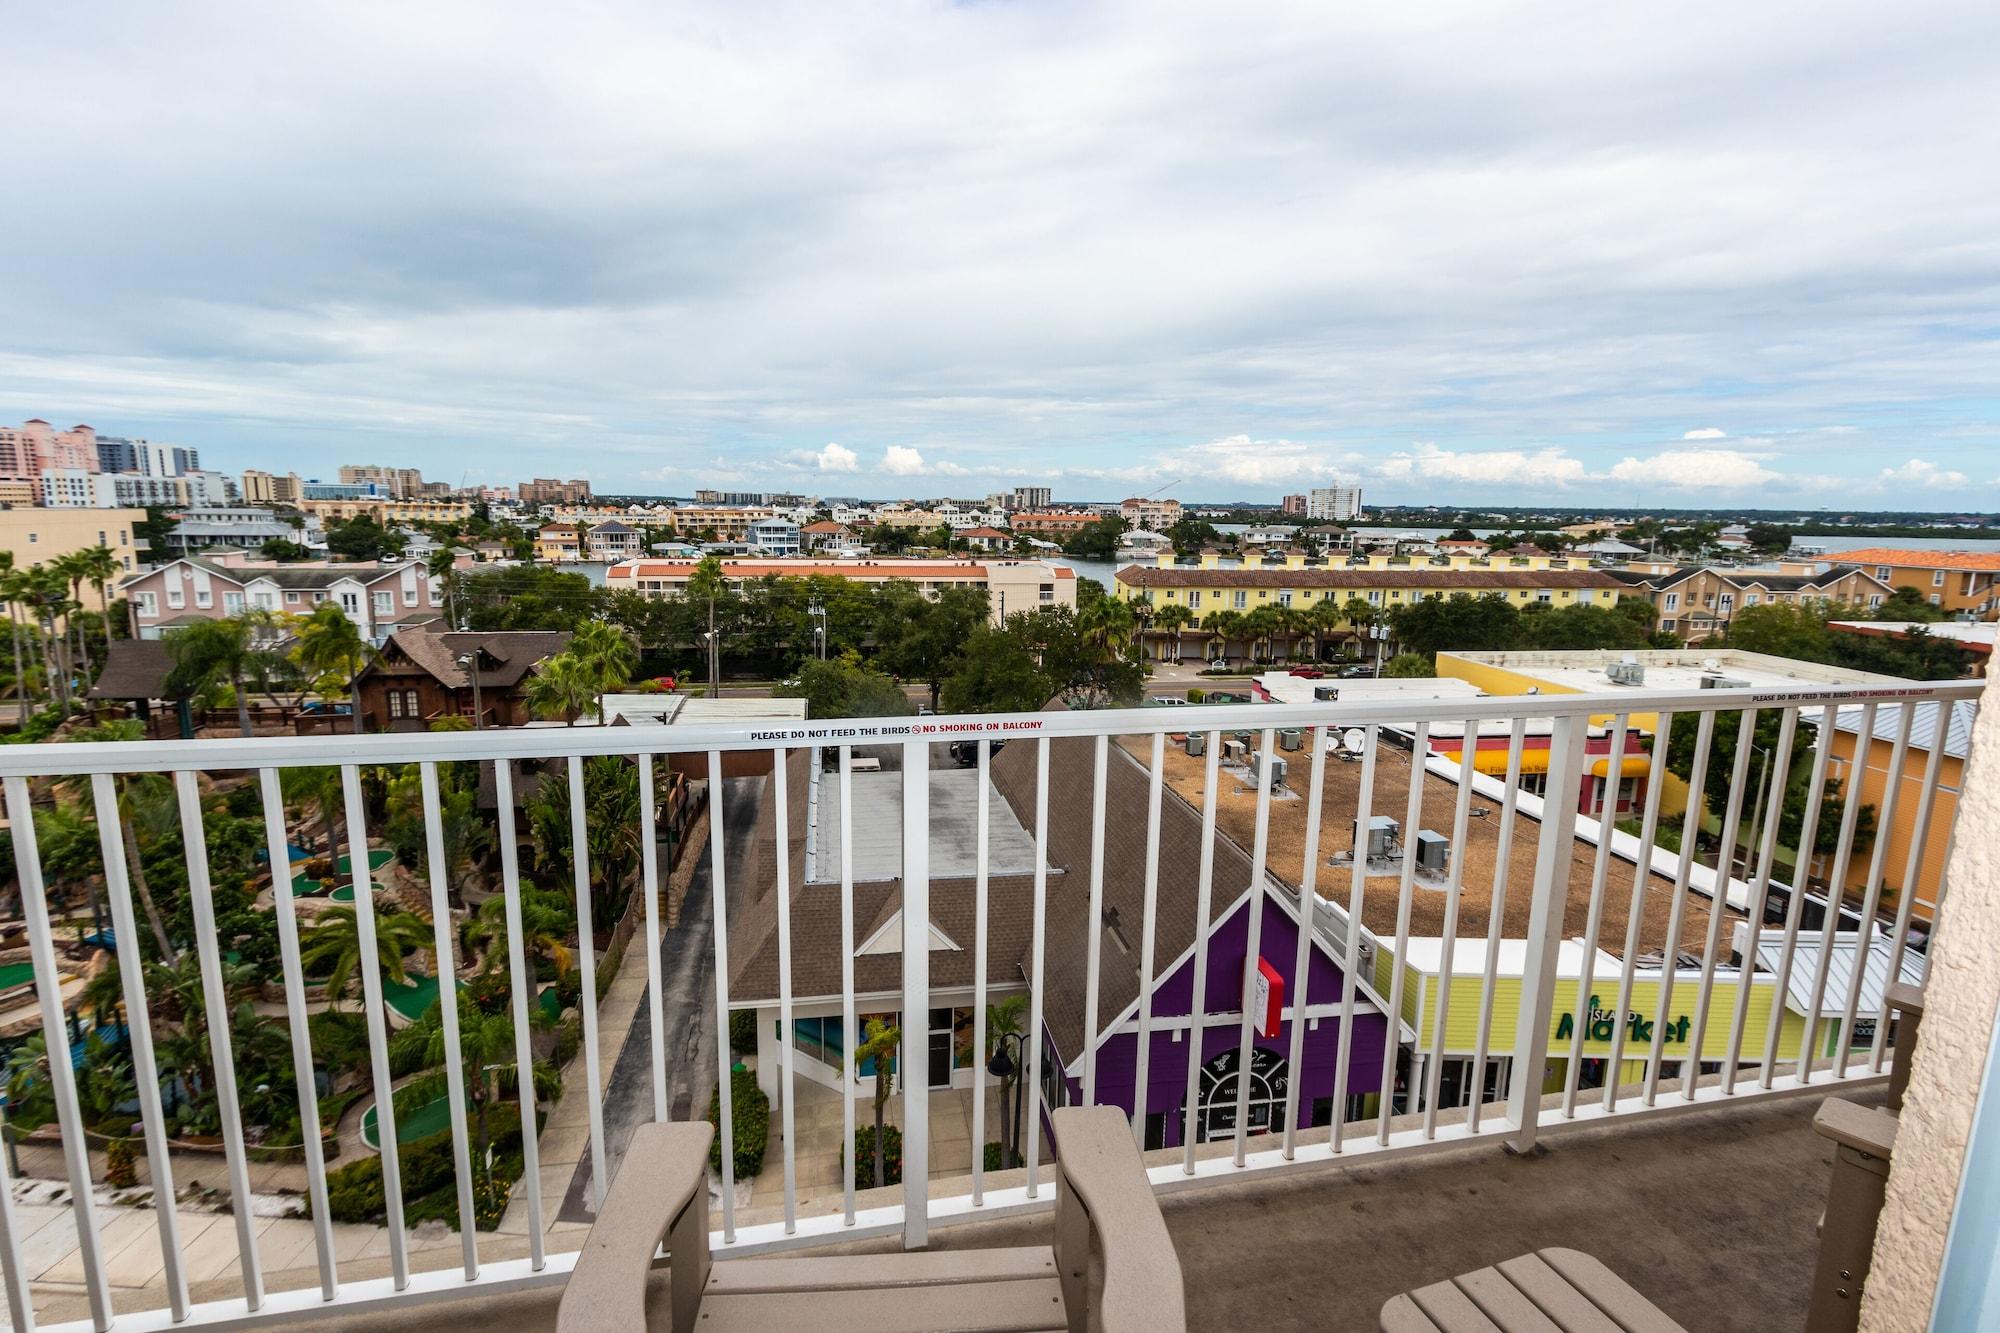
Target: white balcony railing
(1401,1030)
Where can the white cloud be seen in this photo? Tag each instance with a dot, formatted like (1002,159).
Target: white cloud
(837,458)
(902,461)
(1706,433)
(1919,472)
(1547,467)
(1696,469)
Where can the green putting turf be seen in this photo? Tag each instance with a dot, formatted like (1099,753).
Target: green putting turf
(428,1119)
(412,1000)
(15,974)
(343,868)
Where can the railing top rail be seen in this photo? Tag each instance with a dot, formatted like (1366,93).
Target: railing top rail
(49,759)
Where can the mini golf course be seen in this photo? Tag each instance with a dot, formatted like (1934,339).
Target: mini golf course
(307,887)
(433,1117)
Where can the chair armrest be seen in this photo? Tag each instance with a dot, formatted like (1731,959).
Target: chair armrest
(1861,1128)
(1101,1188)
(1902,995)
(662,1184)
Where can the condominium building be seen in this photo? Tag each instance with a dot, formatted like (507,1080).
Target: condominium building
(558,543)
(1698,604)
(202,529)
(1293,504)
(116,453)
(36,536)
(549,491)
(1294,583)
(1339,504)
(266,488)
(1155,515)
(722,523)
(403,483)
(386,511)
(1957,581)
(34,447)
(1032,497)
(1052,523)
(73,488)
(379,598)
(1010,585)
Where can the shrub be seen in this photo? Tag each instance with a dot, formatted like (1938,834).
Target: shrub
(1196,694)
(743,1031)
(750,1115)
(993,1160)
(430,1179)
(119,1171)
(569,1040)
(892,1156)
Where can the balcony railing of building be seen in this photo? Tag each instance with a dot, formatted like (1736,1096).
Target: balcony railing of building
(1221,1063)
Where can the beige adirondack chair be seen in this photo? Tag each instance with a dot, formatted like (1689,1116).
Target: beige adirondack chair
(1102,1192)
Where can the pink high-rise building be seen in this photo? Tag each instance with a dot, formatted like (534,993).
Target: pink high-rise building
(35,447)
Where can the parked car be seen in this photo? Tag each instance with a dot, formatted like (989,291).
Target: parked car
(1308,673)
(966,753)
(1355,672)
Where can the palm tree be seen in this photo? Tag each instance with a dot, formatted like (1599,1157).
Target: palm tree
(443,566)
(1222,626)
(143,799)
(564,686)
(883,1041)
(1322,620)
(1171,619)
(610,656)
(1261,627)
(331,645)
(236,650)
(486,1046)
(707,584)
(13,592)
(320,788)
(1003,1018)
(334,942)
(48,592)
(546,927)
(72,566)
(100,566)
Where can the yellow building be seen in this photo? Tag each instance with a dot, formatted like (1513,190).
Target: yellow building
(1899,831)
(388,512)
(1424,1001)
(729,523)
(1593,670)
(1956,581)
(37,536)
(1294,582)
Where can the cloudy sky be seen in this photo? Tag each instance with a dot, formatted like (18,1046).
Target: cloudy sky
(1682,253)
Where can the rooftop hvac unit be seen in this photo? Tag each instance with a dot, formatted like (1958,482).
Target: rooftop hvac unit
(1717,682)
(1433,851)
(1326,694)
(1196,743)
(1291,738)
(1381,839)
(1278,768)
(1626,673)
(1234,751)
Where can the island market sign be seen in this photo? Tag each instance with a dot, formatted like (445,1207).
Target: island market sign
(1603,1023)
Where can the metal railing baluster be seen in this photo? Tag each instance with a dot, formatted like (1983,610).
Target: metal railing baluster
(1725,865)
(1843,854)
(1038,955)
(1145,1047)
(781,850)
(719,896)
(1586,981)
(1302,954)
(1357,901)
(520,980)
(1635,908)
(1455,882)
(649,878)
(1871,898)
(586,967)
(1192,1128)
(1254,900)
(1704,743)
(1094,923)
(850,1035)
(1920,834)
(1760,888)
(980,836)
(1801,881)
(916,993)
(1496,922)
(363,879)
(447,979)
(1420,744)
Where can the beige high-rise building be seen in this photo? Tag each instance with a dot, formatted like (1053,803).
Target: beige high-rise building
(403,483)
(35,447)
(267,488)
(37,536)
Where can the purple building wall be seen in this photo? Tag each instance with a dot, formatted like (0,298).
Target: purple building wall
(1166,1079)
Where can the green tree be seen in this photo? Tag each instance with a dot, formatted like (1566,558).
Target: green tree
(706,586)
(881,1043)
(1003,1019)
(608,657)
(1409,666)
(144,800)
(1782,629)
(1579,627)
(998,673)
(921,638)
(1457,623)
(332,947)
(1098,541)
(1908,604)
(486,1048)
(279,549)
(843,687)
(240,651)
(330,647)
(564,686)
(362,538)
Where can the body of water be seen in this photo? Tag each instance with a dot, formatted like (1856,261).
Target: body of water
(1833,544)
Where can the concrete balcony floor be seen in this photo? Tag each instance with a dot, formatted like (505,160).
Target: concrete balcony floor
(1712,1215)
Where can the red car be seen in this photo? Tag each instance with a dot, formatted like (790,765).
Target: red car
(1308,673)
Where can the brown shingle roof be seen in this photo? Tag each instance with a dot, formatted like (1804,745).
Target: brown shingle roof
(509,654)
(1443,580)
(134,669)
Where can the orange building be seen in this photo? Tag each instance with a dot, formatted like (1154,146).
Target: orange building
(1954,580)
(1898,832)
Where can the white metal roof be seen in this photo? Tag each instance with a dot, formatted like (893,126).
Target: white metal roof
(1839,971)
(1889,720)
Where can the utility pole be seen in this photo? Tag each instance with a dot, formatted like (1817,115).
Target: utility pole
(714,658)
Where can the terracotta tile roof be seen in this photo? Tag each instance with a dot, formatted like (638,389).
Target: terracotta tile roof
(1977,561)
(1444,580)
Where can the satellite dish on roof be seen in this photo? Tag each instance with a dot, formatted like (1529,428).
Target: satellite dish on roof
(1353,740)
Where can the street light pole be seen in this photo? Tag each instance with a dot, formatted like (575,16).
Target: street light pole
(470,661)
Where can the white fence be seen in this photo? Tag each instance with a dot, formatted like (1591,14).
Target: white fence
(1325,908)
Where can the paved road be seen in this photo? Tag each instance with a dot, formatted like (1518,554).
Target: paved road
(687,990)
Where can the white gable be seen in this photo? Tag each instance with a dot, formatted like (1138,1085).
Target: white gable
(889,939)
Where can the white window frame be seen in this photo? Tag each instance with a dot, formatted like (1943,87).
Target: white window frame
(385,603)
(1194,598)
(176,597)
(1239,599)
(232,604)
(148,604)
(1937,578)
